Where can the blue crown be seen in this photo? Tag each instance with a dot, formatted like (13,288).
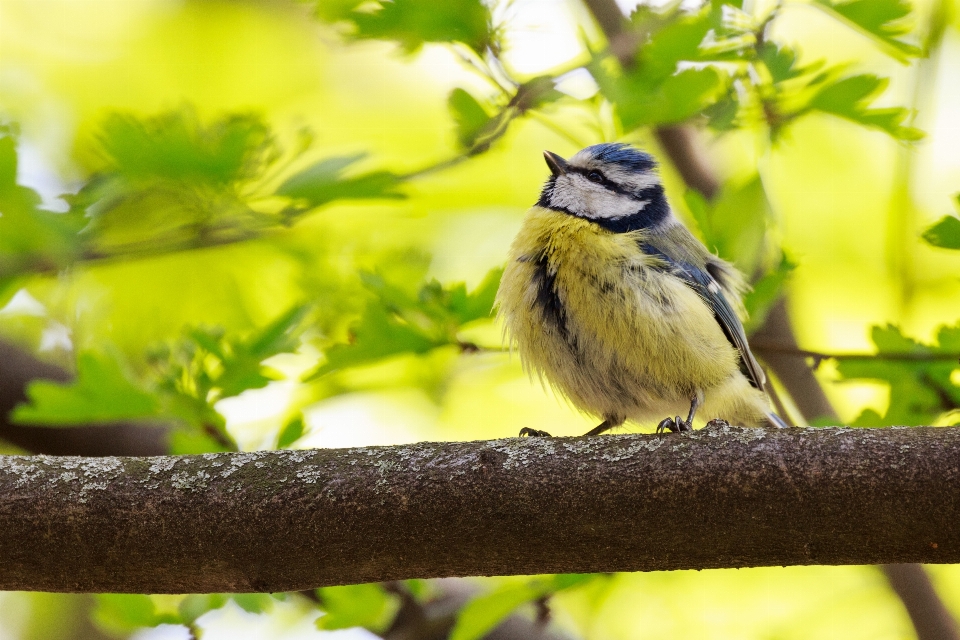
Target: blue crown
(624,155)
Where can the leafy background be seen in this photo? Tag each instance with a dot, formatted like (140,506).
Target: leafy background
(281,224)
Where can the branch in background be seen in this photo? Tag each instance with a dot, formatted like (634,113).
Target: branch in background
(819,356)
(930,617)
(291,520)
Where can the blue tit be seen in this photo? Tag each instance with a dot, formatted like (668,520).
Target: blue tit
(613,301)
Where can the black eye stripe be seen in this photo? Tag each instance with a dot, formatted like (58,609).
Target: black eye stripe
(608,184)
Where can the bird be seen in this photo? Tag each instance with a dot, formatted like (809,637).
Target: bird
(608,297)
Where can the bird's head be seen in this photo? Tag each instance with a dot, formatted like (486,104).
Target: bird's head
(614,185)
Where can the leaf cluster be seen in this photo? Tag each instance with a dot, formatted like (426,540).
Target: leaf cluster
(922,378)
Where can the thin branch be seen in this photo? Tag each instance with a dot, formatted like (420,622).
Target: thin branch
(293,520)
(817,356)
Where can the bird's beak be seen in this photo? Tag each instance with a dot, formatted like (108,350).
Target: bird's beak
(558,166)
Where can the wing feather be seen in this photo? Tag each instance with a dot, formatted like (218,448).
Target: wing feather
(711,291)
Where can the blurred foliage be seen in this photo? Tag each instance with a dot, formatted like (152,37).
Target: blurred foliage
(359,605)
(945,233)
(398,321)
(482,614)
(412,23)
(923,389)
(101,392)
(218,252)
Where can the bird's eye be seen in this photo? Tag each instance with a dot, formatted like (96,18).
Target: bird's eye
(595,176)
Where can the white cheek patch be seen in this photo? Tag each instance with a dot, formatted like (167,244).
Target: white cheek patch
(574,193)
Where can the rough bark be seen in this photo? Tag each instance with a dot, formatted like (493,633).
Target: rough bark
(292,520)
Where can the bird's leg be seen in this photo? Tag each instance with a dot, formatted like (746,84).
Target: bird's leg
(695,403)
(677,424)
(534,433)
(609,423)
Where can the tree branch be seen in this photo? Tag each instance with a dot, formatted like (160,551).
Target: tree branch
(292,520)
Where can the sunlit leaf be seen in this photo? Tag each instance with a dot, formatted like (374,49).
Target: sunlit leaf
(324,182)
(412,23)
(195,605)
(850,98)
(398,322)
(291,432)
(920,376)
(253,602)
(469,115)
(675,37)
(358,605)
(882,20)
(482,614)
(176,145)
(123,613)
(675,99)
(734,223)
(945,233)
(765,292)
(781,62)
(101,392)
(31,239)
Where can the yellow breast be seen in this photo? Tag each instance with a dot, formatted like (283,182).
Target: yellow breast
(588,310)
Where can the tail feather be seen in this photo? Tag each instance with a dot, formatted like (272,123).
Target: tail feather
(777,421)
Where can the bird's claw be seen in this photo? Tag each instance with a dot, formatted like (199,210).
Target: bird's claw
(534,433)
(676,425)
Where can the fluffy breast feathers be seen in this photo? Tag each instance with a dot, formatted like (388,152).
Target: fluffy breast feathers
(603,321)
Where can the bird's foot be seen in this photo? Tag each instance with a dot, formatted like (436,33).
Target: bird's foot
(676,425)
(534,433)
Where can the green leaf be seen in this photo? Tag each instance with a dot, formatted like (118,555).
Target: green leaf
(675,99)
(123,613)
(359,605)
(535,93)
(412,23)
(735,222)
(470,117)
(945,233)
(921,389)
(31,239)
(177,146)
(881,20)
(291,432)
(100,393)
(781,62)
(765,292)
(242,360)
(479,303)
(323,182)
(397,322)
(676,37)
(482,614)
(379,334)
(850,98)
(195,605)
(253,602)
